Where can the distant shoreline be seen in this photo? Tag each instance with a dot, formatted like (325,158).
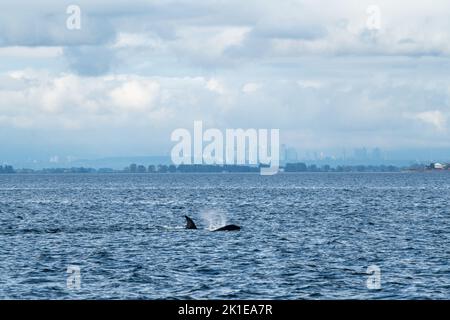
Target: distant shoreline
(224,169)
(220,173)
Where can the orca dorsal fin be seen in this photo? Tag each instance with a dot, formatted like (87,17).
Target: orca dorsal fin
(190,223)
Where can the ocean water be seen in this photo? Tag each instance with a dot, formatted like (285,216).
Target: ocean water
(304,236)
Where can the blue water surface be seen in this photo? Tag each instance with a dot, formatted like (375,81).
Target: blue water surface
(304,236)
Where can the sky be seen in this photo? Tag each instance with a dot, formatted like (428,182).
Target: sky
(331,75)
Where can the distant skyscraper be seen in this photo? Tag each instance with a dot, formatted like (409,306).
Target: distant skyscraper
(360,154)
(283,153)
(288,154)
(376,154)
(291,155)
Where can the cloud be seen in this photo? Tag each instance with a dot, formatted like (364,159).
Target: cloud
(305,84)
(34,52)
(250,87)
(40,100)
(206,33)
(90,60)
(215,85)
(135,40)
(172,36)
(434,118)
(206,45)
(342,111)
(311,68)
(44,24)
(135,94)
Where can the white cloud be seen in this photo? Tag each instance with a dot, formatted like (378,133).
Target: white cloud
(136,95)
(206,45)
(250,87)
(309,84)
(137,40)
(215,85)
(40,100)
(434,118)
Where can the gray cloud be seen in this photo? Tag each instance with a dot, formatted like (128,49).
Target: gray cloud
(90,60)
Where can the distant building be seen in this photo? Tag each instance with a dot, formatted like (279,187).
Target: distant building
(283,152)
(376,154)
(439,166)
(288,154)
(291,154)
(360,154)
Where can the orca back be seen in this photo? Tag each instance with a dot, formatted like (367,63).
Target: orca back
(230,227)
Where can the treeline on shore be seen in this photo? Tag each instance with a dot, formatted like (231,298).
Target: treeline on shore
(302,167)
(195,168)
(6,169)
(143,169)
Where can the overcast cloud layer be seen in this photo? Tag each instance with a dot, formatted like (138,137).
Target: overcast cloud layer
(136,70)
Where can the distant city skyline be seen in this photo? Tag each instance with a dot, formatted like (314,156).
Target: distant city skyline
(288,154)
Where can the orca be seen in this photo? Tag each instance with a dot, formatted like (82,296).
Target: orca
(230,227)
